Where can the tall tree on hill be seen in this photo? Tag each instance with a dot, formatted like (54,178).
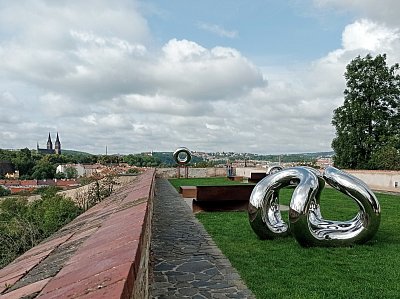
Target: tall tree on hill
(24,161)
(369,118)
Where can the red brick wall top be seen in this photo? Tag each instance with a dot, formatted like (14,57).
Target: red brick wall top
(106,243)
(10,182)
(46,183)
(66,183)
(28,183)
(17,189)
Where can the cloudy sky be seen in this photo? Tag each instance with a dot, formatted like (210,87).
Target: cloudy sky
(260,76)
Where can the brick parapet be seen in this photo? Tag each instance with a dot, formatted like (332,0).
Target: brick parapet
(103,253)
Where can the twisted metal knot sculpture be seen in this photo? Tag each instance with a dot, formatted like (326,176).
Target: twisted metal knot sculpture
(306,222)
(273,169)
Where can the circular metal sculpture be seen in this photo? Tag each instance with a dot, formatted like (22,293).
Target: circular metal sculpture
(182,160)
(306,222)
(273,169)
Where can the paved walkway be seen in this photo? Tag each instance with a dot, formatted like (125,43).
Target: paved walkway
(186,262)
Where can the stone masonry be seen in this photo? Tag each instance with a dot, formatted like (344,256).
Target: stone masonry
(186,261)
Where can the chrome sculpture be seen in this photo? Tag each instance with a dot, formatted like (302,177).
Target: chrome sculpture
(182,160)
(273,169)
(306,222)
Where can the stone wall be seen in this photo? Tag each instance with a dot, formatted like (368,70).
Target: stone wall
(246,171)
(141,283)
(381,180)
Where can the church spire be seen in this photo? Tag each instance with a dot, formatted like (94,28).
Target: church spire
(57,146)
(49,143)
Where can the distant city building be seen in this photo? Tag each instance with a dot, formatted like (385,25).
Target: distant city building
(92,169)
(80,169)
(324,162)
(14,175)
(50,150)
(86,170)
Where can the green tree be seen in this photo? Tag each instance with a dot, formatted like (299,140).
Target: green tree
(369,117)
(387,157)
(111,159)
(24,161)
(4,191)
(24,224)
(141,160)
(44,170)
(71,172)
(60,175)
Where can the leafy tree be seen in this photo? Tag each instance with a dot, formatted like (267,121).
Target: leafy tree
(110,159)
(53,211)
(60,175)
(71,173)
(24,161)
(142,160)
(369,117)
(387,157)
(24,224)
(44,170)
(4,191)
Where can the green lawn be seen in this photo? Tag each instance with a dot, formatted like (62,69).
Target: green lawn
(202,182)
(282,269)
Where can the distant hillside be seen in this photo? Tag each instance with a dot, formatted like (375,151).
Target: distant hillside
(318,154)
(166,157)
(75,153)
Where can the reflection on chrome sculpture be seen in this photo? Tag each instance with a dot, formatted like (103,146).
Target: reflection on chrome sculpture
(306,222)
(187,156)
(273,169)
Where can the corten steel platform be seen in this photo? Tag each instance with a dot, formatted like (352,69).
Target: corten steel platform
(255,177)
(188,191)
(218,198)
(235,178)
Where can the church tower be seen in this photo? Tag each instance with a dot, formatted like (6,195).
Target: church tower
(57,146)
(49,143)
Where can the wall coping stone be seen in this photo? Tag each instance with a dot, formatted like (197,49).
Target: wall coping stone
(97,255)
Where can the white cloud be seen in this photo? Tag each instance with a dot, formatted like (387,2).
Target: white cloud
(90,71)
(7,99)
(218,30)
(383,11)
(368,35)
(190,71)
(58,105)
(159,104)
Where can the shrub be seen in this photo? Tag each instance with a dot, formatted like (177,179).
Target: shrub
(24,224)
(4,191)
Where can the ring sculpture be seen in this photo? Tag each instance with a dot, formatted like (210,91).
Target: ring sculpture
(306,222)
(185,160)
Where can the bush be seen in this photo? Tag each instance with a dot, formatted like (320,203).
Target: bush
(4,191)
(24,225)
(58,211)
(133,171)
